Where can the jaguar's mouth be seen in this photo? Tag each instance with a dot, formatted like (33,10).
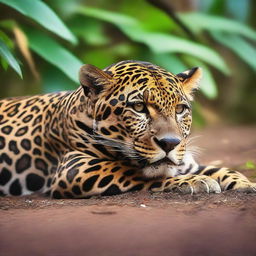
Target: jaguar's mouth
(164,160)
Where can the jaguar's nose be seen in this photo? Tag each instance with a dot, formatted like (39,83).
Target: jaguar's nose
(167,144)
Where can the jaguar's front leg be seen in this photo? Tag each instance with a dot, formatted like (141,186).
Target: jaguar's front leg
(227,178)
(81,176)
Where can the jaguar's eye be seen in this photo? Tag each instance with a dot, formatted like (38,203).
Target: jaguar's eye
(139,107)
(180,108)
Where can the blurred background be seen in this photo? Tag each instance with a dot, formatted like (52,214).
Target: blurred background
(44,43)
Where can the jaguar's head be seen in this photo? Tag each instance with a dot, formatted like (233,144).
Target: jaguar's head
(142,110)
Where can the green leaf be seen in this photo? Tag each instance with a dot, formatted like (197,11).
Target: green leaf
(93,33)
(164,43)
(198,119)
(8,24)
(250,165)
(111,17)
(148,14)
(54,80)
(7,55)
(6,39)
(4,63)
(43,14)
(99,57)
(157,42)
(54,53)
(239,46)
(170,62)
(199,21)
(207,84)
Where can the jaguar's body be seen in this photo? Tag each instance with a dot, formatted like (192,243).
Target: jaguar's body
(125,128)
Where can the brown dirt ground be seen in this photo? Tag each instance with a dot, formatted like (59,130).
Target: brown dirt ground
(142,223)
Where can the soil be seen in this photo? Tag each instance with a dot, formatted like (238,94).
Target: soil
(143,223)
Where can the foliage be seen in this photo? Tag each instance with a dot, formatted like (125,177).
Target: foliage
(54,53)
(58,31)
(250,165)
(41,13)
(7,55)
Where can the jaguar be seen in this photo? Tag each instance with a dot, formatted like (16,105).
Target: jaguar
(125,128)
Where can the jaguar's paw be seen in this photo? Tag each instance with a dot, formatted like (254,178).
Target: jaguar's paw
(195,184)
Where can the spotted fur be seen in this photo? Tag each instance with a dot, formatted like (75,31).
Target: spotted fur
(125,128)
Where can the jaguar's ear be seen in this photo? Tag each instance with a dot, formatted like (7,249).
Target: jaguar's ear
(93,79)
(190,80)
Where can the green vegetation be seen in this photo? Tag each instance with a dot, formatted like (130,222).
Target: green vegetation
(250,165)
(67,33)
